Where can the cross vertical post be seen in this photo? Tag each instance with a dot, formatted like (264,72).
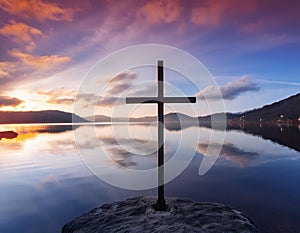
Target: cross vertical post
(161,203)
(160,100)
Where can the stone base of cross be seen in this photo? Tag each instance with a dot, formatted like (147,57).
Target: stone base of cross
(160,100)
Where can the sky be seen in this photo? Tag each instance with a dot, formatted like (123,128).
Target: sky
(47,47)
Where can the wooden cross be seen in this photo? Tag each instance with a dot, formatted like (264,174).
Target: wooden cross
(160,100)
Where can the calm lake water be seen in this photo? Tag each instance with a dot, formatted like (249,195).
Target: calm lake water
(44,182)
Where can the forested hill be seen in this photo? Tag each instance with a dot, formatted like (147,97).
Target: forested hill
(49,116)
(287,109)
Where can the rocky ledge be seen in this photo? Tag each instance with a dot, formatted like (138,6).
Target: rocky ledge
(138,215)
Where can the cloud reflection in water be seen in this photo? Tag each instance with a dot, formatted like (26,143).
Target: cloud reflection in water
(231,153)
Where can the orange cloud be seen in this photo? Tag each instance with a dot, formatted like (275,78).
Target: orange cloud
(216,11)
(59,96)
(161,11)
(36,9)
(21,32)
(39,61)
(58,92)
(61,101)
(6,68)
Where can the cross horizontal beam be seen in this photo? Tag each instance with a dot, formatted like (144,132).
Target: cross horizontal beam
(156,100)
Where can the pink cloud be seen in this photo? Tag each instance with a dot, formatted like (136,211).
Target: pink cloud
(215,11)
(37,9)
(251,26)
(60,96)
(272,17)
(157,11)
(6,68)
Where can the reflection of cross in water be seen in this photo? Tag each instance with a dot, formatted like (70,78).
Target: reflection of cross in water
(160,100)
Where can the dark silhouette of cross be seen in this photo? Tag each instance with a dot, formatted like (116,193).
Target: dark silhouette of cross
(160,100)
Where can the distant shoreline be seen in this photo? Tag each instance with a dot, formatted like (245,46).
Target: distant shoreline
(285,112)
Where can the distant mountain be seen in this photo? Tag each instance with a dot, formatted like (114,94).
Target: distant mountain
(284,110)
(219,120)
(173,121)
(218,117)
(287,110)
(178,116)
(103,118)
(98,118)
(177,121)
(170,117)
(49,116)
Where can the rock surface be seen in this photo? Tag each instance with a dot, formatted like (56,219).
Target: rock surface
(138,215)
(8,134)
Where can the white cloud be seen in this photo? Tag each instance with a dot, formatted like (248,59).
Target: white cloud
(230,91)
